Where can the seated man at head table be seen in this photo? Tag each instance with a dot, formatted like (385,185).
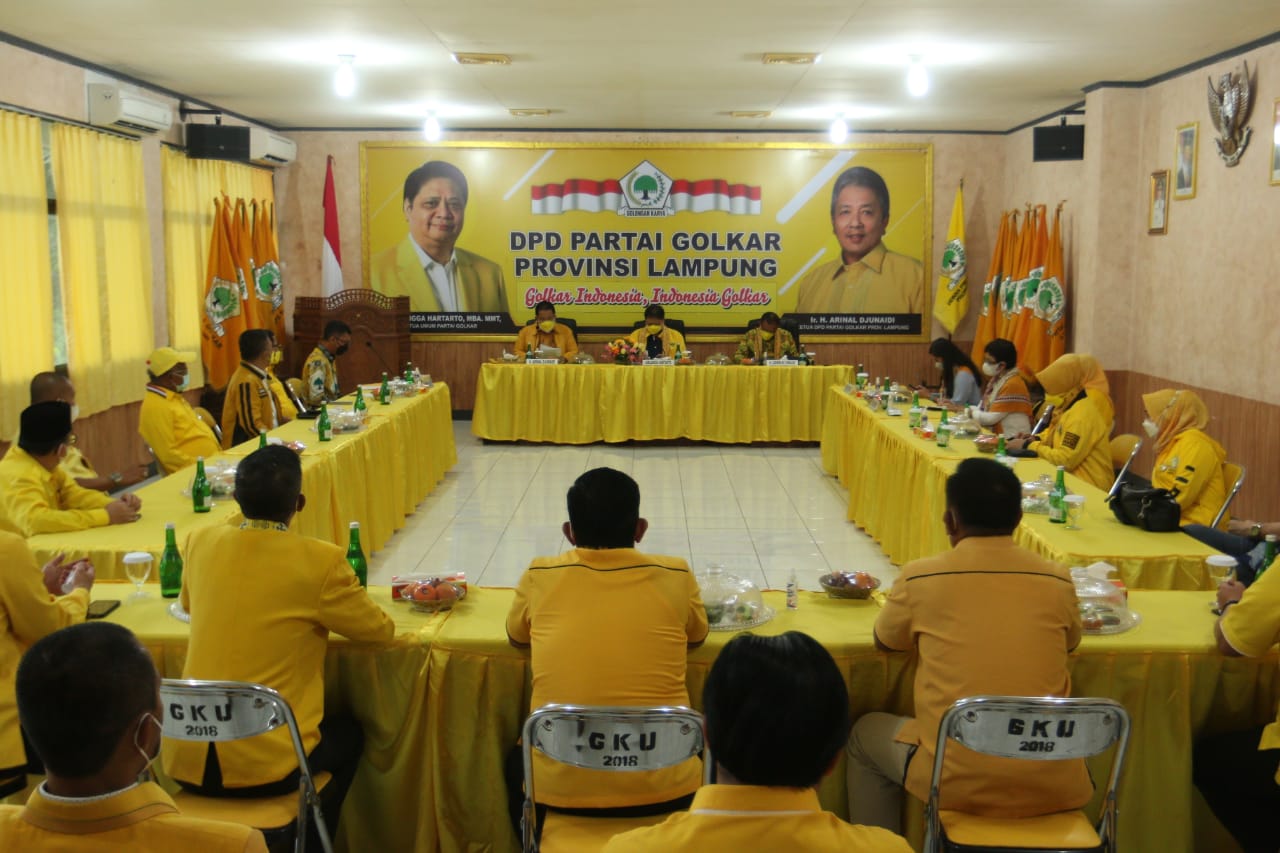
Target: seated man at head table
(986,617)
(546,332)
(655,338)
(250,405)
(320,373)
(37,495)
(1239,772)
(55,386)
(1078,437)
(167,422)
(607,625)
(764,798)
(286,403)
(89,697)
(32,605)
(766,341)
(262,601)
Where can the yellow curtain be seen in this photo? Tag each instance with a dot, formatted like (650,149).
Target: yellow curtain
(26,281)
(105,248)
(190,186)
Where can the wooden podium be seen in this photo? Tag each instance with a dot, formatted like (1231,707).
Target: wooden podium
(379,333)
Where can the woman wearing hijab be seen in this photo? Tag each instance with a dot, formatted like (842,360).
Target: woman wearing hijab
(1188,462)
(959,374)
(1078,436)
(1006,402)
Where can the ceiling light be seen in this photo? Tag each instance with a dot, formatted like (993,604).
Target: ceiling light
(839,131)
(344,79)
(431,128)
(750,114)
(917,78)
(791,58)
(482,59)
(529,113)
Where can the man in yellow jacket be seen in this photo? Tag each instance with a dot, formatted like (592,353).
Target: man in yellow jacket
(89,698)
(546,332)
(250,405)
(655,338)
(1078,438)
(766,341)
(286,403)
(48,386)
(167,423)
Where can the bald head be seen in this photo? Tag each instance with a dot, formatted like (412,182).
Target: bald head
(50,386)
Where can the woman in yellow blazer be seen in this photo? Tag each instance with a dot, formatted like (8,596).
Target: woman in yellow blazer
(1188,461)
(1078,438)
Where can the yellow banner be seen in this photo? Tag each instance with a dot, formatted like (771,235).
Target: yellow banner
(476,235)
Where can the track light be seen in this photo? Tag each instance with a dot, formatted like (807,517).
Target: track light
(917,78)
(839,131)
(431,128)
(344,79)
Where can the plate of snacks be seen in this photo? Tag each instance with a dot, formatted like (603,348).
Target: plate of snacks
(849,584)
(429,594)
(733,603)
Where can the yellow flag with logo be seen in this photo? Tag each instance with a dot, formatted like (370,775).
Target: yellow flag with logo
(268,286)
(952,300)
(989,318)
(223,317)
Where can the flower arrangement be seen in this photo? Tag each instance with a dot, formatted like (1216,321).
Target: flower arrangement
(623,351)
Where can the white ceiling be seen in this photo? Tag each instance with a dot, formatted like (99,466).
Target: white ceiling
(645,65)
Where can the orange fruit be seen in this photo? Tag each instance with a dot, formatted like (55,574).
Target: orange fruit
(424,592)
(446,592)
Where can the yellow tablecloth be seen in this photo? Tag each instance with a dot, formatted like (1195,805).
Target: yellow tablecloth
(375,476)
(897,493)
(581,404)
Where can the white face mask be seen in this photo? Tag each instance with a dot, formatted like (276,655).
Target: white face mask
(989,369)
(75,413)
(186,380)
(938,365)
(147,759)
(1150,428)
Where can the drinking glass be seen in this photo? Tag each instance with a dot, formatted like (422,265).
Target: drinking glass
(137,566)
(1075,509)
(1220,568)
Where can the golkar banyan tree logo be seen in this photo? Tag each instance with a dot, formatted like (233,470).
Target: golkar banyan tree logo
(646,191)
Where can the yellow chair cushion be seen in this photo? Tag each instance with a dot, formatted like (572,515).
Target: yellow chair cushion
(563,833)
(260,813)
(1058,831)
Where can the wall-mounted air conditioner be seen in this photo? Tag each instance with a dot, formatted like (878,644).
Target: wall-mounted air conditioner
(228,142)
(126,111)
(270,149)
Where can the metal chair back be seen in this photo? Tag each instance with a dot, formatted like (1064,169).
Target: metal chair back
(1115,486)
(625,740)
(219,711)
(1046,416)
(203,414)
(1235,476)
(1033,729)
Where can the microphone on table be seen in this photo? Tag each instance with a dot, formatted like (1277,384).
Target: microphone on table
(379,357)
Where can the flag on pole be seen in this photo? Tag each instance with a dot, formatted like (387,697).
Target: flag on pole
(1046,326)
(989,318)
(1026,336)
(268,285)
(1011,288)
(223,317)
(331,254)
(951,303)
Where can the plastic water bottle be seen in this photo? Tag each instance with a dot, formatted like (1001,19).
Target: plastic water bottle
(793,591)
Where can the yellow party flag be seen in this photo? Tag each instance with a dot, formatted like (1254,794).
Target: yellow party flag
(223,317)
(989,319)
(952,300)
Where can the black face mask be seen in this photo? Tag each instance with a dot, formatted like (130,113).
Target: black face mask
(342,349)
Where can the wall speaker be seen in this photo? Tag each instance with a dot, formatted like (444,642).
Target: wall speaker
(1059,142)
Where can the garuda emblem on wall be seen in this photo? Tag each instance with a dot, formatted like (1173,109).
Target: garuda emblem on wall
(1229,104)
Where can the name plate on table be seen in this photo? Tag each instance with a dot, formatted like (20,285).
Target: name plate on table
(542,361)
(781,362)
(658,362)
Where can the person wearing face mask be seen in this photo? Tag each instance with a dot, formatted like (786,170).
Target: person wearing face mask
(249,405)
(320,373)
(54,386)
(654,337)
(545,331)
(1006,402)
(167,423)
(89,699)
(1188,462)
(286,403)
(959,375)
(1078,437)
(766,341)
(37,496)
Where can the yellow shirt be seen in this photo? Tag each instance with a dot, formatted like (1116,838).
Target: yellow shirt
(1190,467)
(754,346)
(249,406)
(883,282)
(736,818)
(1079,440)
(608,627)
(561,337)
(27,613)
(284,403)
(320,378)
(140,819)
(1252,627)
(35,500)
(671,340)
(76,466)
(986,617)
(262,602)
(172,431)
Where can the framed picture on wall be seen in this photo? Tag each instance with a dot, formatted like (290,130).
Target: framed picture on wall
(1185,156)
(1158,203)
(1275,145)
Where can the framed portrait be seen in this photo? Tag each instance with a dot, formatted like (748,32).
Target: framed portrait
(1186,153)
(1158,203)
(1275,145)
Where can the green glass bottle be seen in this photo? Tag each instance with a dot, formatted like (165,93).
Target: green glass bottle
(359,405)
(355,556)
(408,373)
(1000,448)
(1268,556)
(1058,498)
(914,413)
(201,490)
(943,438)
(170,565)
(384,392)
(262,438)
(324,429)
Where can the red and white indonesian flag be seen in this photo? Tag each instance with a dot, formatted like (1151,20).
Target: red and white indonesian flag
(331,256)
(712,194)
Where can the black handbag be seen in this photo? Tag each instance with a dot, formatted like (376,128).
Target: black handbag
(1151,509)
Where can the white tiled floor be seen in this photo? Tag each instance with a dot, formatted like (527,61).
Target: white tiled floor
(759,511)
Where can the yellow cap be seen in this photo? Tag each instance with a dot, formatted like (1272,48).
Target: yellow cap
(164,359)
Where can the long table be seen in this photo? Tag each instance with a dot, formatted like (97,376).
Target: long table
(583,404)
(897,493)
(376,476)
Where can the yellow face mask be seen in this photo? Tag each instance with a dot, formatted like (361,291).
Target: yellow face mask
(768,336)
(547,325)
(653,328)
(276,355)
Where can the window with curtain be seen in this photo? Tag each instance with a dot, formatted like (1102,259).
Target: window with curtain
(105,254)
(190,186)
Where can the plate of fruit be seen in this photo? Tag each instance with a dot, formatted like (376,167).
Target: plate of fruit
(432,595)
(849,584)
